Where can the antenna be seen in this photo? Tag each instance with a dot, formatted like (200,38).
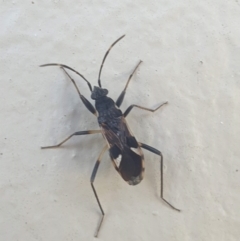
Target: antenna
(105,56)
(67,67)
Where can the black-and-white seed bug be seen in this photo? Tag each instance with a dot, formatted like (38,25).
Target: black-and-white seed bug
(124,150)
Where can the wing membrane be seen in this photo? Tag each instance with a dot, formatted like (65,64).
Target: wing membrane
(126,155)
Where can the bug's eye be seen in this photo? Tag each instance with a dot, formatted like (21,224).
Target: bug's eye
(98,93)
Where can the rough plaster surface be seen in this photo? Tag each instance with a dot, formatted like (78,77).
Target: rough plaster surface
(191,56)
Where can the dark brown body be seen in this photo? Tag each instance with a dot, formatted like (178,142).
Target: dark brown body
(126,155)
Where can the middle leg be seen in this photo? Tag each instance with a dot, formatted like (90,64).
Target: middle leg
(78,133)
(127,111)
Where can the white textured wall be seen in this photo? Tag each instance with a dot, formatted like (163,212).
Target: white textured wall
(191,57)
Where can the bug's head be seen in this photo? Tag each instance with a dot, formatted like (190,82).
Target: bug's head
(98,92)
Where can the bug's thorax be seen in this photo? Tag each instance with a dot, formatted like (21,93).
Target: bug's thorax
(105,106)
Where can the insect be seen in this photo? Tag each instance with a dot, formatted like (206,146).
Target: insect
(124,150)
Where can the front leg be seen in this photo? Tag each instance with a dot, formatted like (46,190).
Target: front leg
(84,100)
(121,96)
(157,152)
(88,105)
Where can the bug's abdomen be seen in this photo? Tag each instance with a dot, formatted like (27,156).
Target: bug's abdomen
(131,167)
(125,152)
(128,163)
